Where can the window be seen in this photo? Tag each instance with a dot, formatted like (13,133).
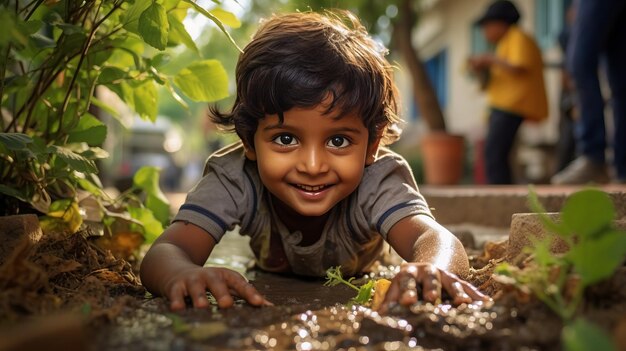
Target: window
(480,45)
(549,21)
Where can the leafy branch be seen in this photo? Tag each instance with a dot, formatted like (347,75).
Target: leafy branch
(54,57)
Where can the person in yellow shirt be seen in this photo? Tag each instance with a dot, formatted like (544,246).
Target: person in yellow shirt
(515,87)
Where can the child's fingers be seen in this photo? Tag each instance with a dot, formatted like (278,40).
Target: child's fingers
(460,290)
(473,292)
(196,289)
(176,295)
(243,288)
(216,283)
(431,283)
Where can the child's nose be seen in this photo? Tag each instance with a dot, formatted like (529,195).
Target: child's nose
(313,161)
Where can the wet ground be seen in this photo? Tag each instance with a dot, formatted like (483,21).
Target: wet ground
(310,316)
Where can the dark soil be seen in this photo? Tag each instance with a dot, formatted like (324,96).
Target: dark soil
(67,293)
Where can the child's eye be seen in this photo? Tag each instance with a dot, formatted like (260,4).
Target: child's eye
(285,139)
(338,142)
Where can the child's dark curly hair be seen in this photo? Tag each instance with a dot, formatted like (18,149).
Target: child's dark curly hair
(301,59)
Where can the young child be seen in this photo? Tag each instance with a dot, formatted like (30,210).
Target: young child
(515,87)
(310,182)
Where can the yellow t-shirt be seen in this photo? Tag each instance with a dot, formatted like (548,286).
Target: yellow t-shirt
(523,94)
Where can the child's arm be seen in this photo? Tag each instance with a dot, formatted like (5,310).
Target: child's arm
(173,267)
(436,260)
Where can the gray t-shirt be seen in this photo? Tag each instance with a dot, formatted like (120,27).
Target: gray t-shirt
(231,194)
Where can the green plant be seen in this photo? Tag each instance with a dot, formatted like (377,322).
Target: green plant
(54,55)
(364,292)
(597,249)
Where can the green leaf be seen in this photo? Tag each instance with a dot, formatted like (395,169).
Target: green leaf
(130,16)
(203,81)
(595,260)
(19,194)
(74,160)
(584,336)
(145,102)
(147,179)
(215,20)
(588,211)
(111,75)
(160,207)
(89,186)
(152,228)
(227,18)
(89,130)
(365,293)
(153,26)
(13,29)
(179,34)
(15,141)
(140,97)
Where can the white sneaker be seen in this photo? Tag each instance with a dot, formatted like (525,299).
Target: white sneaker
(582,171)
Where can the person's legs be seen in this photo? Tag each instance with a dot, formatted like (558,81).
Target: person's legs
(616,74)
(501,133)
(589,35)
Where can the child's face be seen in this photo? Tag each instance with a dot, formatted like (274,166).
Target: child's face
(311,161)
(494,30)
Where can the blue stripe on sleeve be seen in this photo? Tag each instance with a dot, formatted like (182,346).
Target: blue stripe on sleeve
(393,209)
(203,211)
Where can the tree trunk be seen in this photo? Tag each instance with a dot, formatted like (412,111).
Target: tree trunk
(423,90)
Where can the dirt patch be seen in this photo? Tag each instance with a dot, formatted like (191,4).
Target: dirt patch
(71,274)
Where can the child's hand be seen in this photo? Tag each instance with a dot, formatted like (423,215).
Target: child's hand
(221,282)
(480,62)
(425,277)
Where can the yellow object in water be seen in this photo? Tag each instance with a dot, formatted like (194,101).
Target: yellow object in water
(380,290)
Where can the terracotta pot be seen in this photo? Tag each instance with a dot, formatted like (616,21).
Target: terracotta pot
(443,156)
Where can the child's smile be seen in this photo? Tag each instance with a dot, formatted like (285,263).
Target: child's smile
(312,160)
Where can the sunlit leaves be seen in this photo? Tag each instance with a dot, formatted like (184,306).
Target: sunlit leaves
(74,160)
(213,18)
(130,16)
(63,215)
(89,130)
(59,54)
(152,227)
(147,179)
(154,26)
(203,81)
(179,34)
(141,96)
(226,17)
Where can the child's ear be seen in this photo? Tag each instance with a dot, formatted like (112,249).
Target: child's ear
(372,151)
(249,151)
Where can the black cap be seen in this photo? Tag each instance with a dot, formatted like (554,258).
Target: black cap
(501,10)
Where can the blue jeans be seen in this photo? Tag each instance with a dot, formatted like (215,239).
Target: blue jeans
(503,127)
(600,30)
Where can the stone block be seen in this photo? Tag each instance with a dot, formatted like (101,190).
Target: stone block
(525,226)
